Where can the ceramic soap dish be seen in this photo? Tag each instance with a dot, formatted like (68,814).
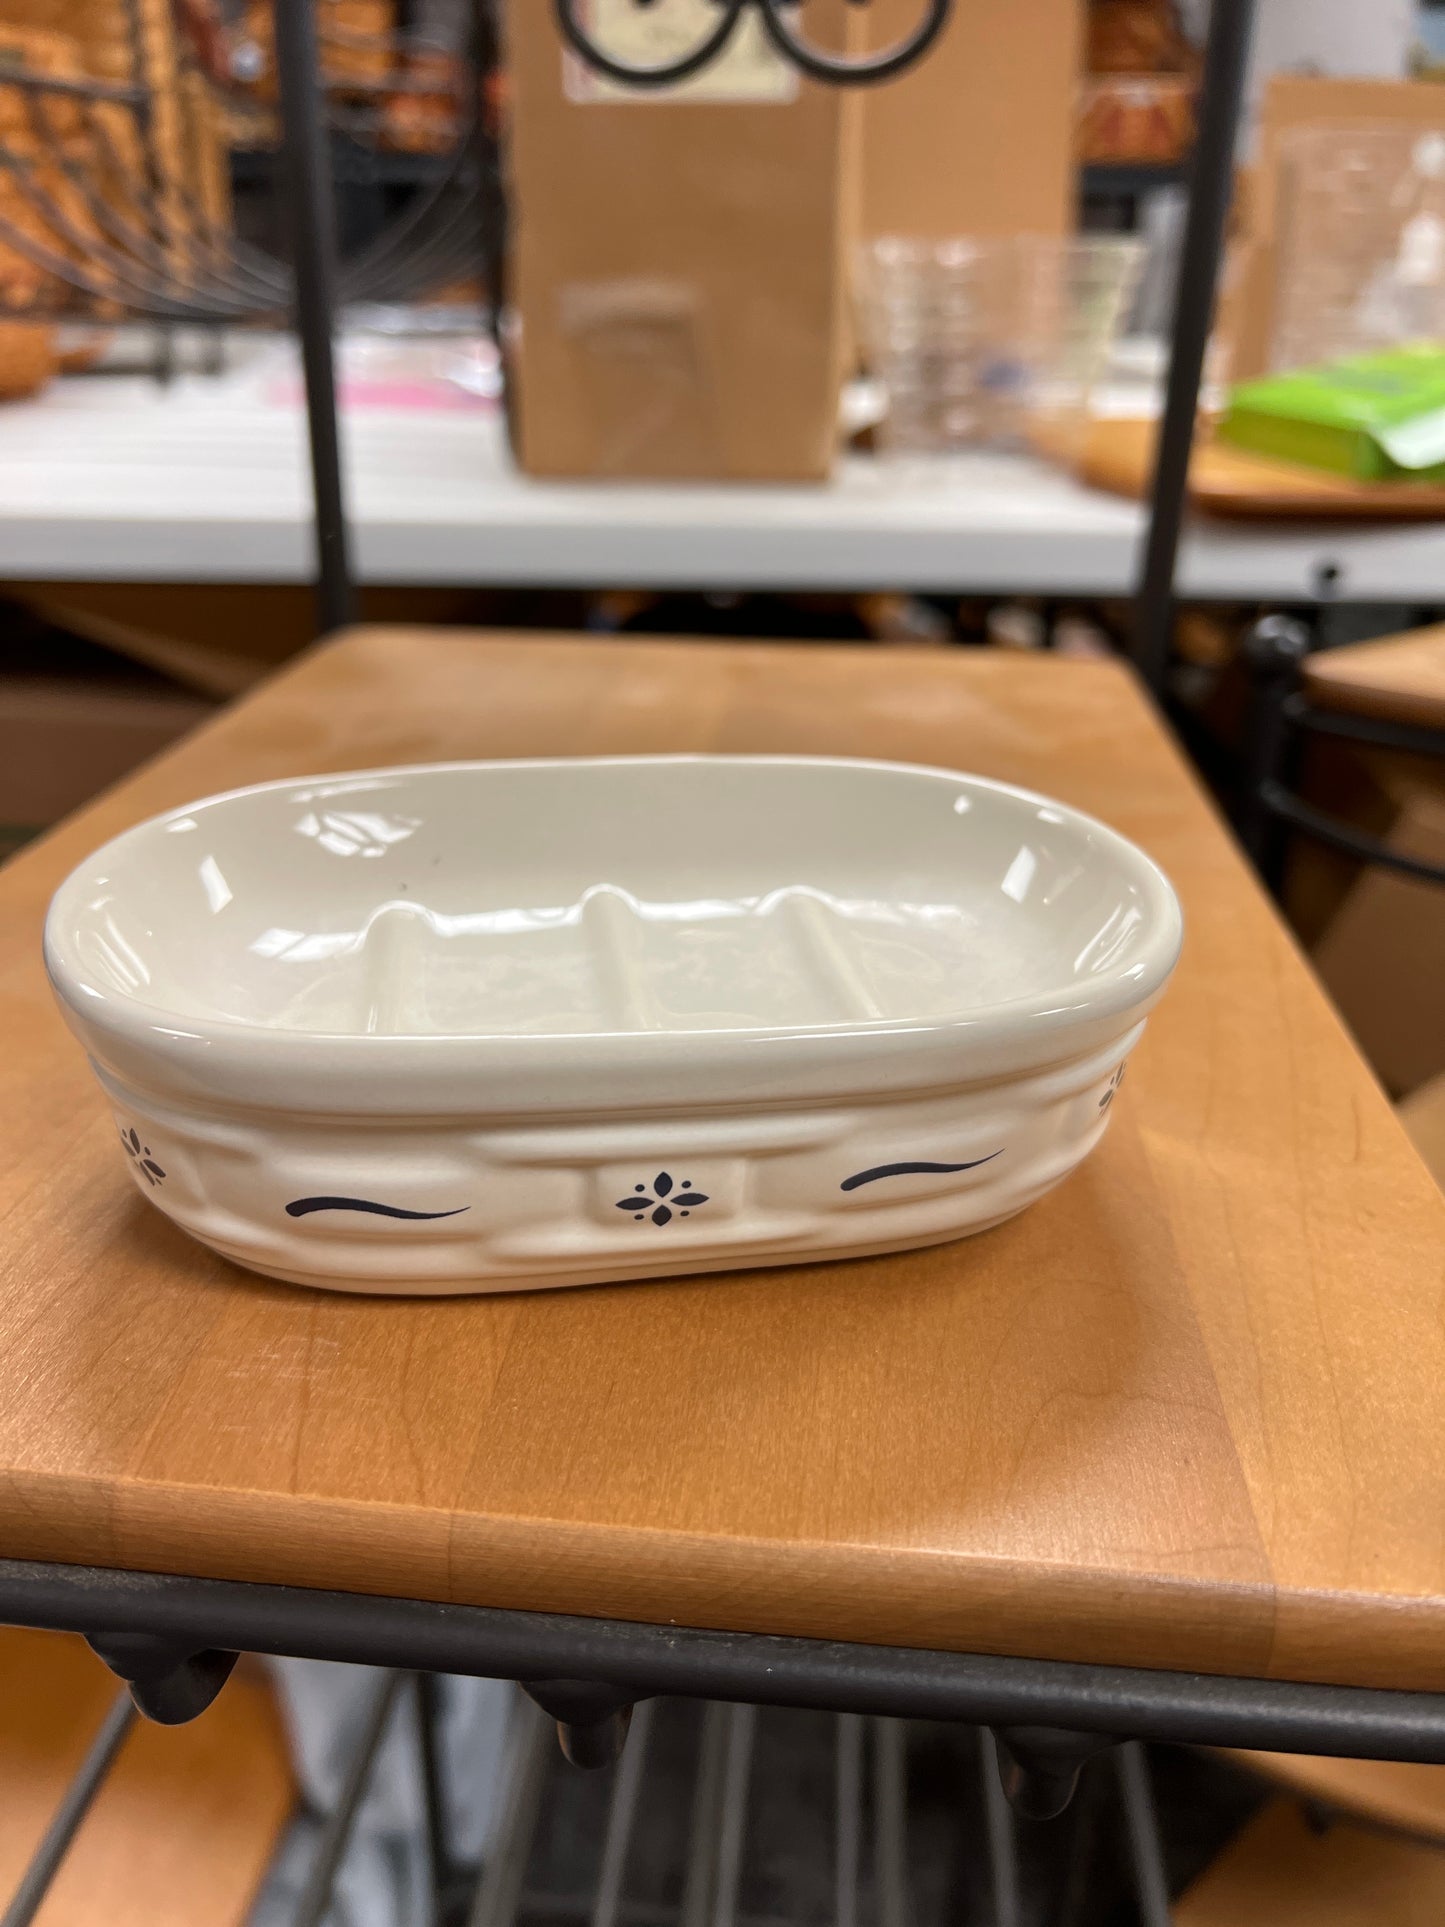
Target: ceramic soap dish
(497,1026)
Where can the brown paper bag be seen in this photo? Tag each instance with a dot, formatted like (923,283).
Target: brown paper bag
(978,138)
(679,262)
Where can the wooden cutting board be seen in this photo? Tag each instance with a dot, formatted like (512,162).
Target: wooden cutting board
(1119,456)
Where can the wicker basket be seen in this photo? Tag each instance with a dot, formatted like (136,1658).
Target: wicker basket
(357,43)
(160,64)
(52,202)
(426,118)
(27,358)
(27,118)
(177,154)
(36,51)
(99,29)
(24,283)
(118,146)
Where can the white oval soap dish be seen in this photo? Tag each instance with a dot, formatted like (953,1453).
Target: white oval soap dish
(496,1026)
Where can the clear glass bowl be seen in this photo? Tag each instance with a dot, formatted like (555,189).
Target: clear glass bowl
(990,343)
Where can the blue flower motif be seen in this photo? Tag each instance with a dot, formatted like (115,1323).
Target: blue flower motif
(683,1201)
(140,1156)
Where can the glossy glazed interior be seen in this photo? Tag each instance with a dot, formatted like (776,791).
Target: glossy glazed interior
(485,1026)
(610,898)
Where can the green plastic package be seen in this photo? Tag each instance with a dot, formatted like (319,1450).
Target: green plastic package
(1377,418)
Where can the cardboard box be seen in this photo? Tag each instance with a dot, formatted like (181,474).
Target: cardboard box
(64,739)
(1292,101)
(679,261)
(979,137)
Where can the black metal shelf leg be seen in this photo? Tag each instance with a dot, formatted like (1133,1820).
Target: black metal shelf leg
(313,217)
(426,1713)
(1210,187)
(1146,1854)
(1274,650)
(1003,1858)
(1039,1766)
(890,1822)
(170,1683)
(848,1822)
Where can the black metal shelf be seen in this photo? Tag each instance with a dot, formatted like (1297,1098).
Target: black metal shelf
(351,165)
(1098,179)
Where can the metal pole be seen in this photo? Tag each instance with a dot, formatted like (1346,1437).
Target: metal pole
(65,1823)
(1145,1852)
(491,203)
(622,1818)
(1079,1856)
(1003,1862)
(426,1716)
(1283,1716)
(307,173)
(848,1791)
(890,1821)
(732,1829)
(529,1754)
(705,1824)
(1210,187)
(316,1895)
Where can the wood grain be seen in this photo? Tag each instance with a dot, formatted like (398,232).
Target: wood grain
(186,1821)
(1401,678)
(1118,455)
(1187,1411)
(1280,1873)
(1423,1115)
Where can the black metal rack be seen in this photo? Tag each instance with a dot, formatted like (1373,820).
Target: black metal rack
(173,1639)
(106,228)
(1276,649)
(1210,182)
